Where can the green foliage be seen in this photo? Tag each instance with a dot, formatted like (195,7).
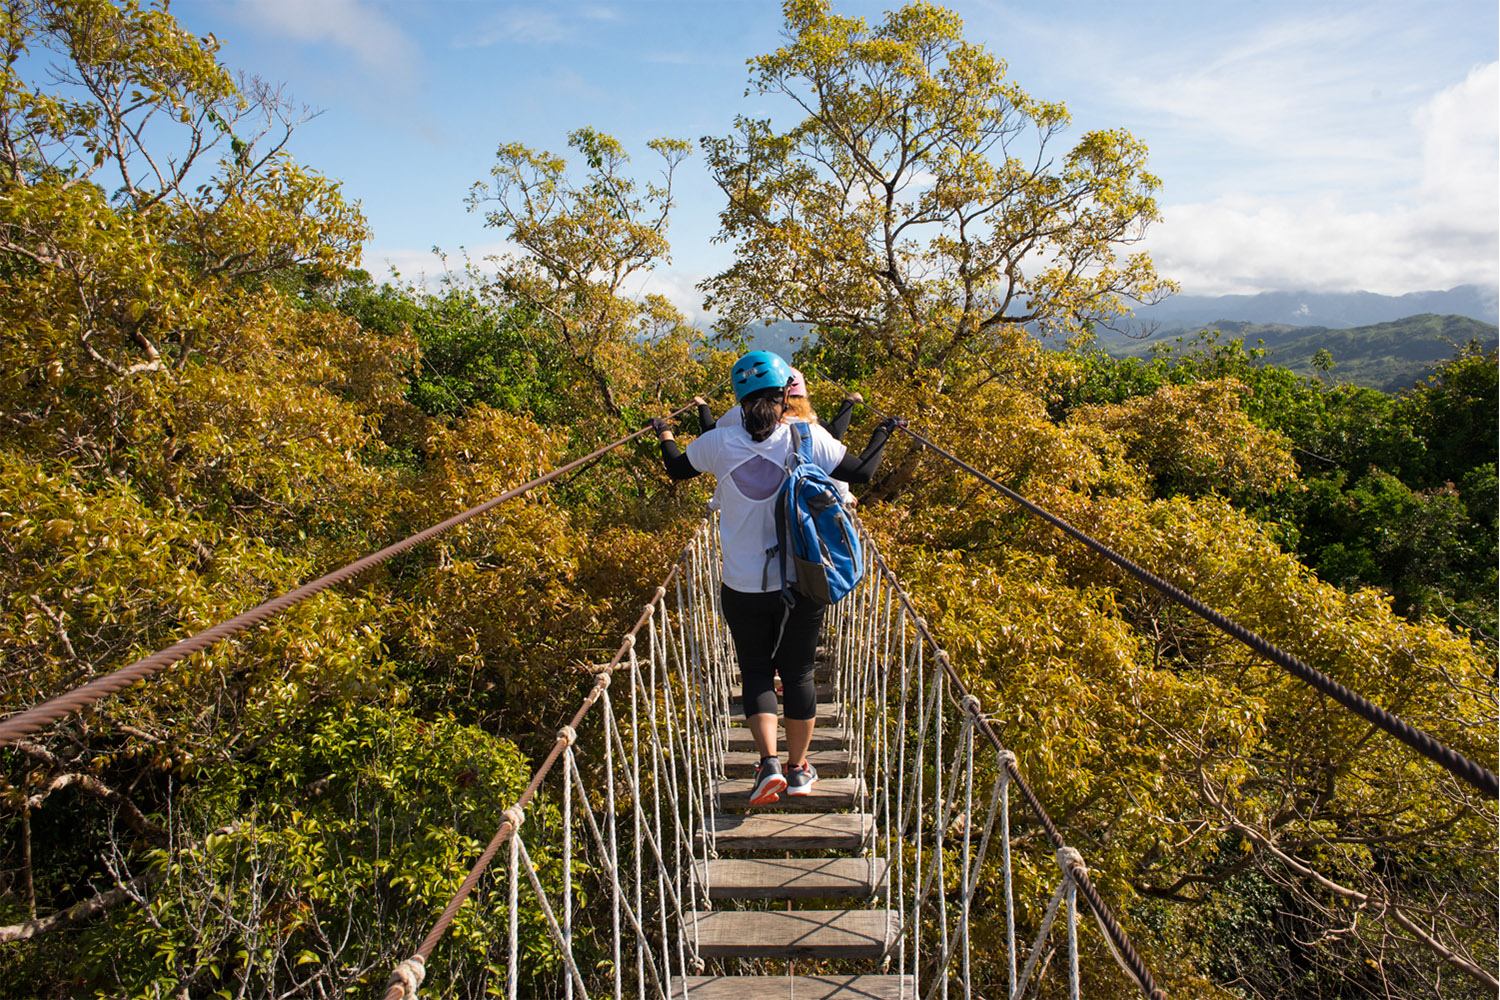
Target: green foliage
(1385,356)
(472,353)
(204,407)
(1393,491)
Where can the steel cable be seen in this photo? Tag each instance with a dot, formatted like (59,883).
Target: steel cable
(34,719)
(1419,740)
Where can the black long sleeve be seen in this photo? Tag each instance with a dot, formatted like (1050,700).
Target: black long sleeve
(676,461)
(839,425)
(861,468)
(706,421)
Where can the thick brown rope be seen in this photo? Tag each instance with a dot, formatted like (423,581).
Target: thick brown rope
(34,719)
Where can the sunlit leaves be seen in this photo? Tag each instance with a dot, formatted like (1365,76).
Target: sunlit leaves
(917,202)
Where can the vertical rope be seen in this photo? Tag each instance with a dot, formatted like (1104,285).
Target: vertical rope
(1010,897)
(940,824)
(636,813)
(656,792)
(614,844)
(570,768)
(968,754)
(1072,904)
(513,972)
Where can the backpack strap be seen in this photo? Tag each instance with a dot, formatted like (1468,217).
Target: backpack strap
(783,539)
(801,441)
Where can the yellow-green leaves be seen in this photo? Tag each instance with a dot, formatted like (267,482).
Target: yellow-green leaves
(580,239)
(916,204)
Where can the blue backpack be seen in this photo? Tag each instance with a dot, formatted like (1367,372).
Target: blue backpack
(815,529)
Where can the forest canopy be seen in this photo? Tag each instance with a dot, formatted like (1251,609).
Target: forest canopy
(207,403)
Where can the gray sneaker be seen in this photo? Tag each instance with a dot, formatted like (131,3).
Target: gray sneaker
(800,778)
(769,782)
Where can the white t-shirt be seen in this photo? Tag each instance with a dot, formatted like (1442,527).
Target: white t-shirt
(749,475)
(732,417)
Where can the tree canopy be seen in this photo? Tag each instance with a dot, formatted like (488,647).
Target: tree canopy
(921,203)
(206,403)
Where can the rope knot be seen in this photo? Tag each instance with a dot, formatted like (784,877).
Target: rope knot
(568,735)
(408,975)
(515,817)
(603,680)
(630,641)
(972,706)
(1068,859)
(1004,757)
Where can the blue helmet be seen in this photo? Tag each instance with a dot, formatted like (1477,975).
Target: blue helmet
(759,370)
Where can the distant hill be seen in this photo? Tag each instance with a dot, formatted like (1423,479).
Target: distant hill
(783,336)
(1335,310)
(1389,356)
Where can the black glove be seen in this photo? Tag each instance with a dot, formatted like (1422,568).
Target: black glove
(657,424)
(889,424)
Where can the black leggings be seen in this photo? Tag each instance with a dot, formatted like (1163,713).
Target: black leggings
(754,620)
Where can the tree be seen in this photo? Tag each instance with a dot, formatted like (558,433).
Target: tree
(920,209)
(581,243)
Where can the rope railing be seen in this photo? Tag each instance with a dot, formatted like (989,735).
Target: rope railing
(913,726)
(662,755)
(34,719)
(644,807)
(1418,739)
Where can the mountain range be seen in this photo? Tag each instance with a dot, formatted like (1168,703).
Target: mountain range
(1332,310)
(1384,341)
(1388,356)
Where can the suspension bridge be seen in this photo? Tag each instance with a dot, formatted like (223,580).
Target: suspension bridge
(893,880)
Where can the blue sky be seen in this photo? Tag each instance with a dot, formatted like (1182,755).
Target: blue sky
(1323,146)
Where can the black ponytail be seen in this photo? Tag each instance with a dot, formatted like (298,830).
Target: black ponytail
(761,411)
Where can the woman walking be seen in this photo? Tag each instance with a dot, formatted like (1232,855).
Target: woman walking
(748,459)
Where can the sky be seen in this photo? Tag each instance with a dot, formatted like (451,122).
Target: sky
(1301,145)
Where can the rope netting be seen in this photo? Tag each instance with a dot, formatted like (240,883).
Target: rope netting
(1424,743)
(636,786)
(608,850)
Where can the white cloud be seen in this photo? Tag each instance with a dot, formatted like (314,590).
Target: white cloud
(1460,148)
(1438,233)
(680,289)
(534,25)
(428,268)
(1302,101)
(361,28)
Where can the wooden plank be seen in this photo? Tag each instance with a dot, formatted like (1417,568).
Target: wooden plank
(830,763)
(823,738)
(793,988)
(791,831)
(794,934)
(792,878)
(828,794)
(828,713)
